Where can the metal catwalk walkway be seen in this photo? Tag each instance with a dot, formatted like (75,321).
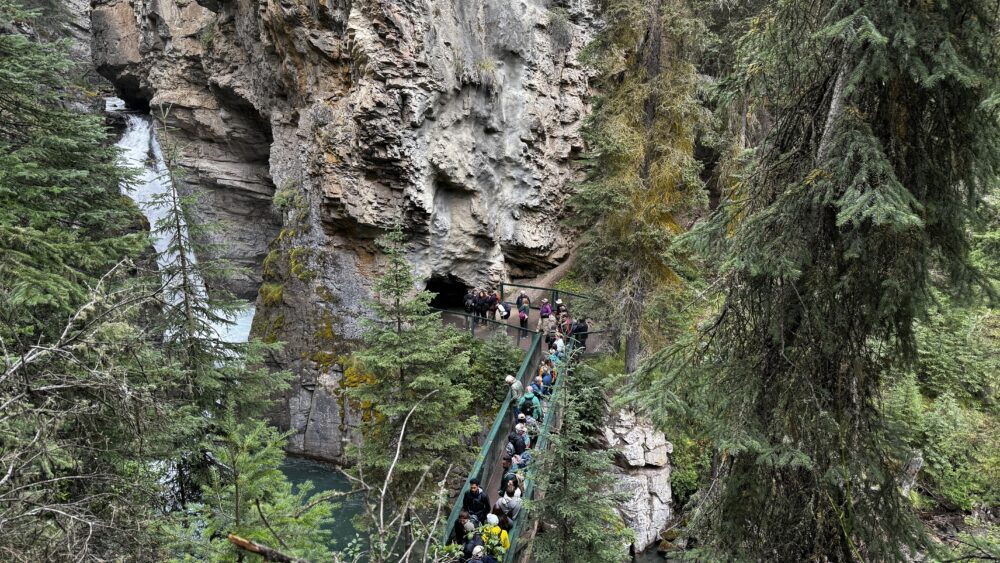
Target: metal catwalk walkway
(487,467)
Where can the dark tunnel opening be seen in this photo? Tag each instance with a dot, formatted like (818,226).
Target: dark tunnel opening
(449,289)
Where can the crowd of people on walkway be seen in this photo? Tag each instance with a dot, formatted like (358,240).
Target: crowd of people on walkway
(554,320)
(483,526)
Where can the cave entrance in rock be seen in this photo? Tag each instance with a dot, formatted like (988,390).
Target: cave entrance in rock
(449,289)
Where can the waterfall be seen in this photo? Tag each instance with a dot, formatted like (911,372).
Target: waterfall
(141,151)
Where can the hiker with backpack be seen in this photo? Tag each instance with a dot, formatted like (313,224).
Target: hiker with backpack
(469,301)
(530,405)
(482,305)
(469,304)
(517,440)
(492,302)
(523,310)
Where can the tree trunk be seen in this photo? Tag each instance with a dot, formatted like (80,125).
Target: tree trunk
(633,346)
(634,305)
(836,108)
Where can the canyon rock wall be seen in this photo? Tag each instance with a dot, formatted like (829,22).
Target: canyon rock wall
(642,456)
(307,127)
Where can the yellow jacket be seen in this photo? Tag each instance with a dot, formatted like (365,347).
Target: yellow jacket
(496,532)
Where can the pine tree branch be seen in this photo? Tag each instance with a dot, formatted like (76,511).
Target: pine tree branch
(267,524)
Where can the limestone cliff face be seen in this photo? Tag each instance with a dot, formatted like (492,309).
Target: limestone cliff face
(309,126)
(643,465)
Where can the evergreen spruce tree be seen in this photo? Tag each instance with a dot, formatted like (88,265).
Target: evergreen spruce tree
(883,135)
(643,179)
(78,383)
(63,220)
(83,414)
(247,495)
(412,362)
(577,507)
(493,360)
(213,377)
(216,372)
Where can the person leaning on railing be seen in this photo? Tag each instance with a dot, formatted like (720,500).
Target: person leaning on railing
(516,388)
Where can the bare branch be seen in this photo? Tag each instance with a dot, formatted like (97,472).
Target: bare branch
(267,553)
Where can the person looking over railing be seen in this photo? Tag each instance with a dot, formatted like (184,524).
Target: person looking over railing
(516,388)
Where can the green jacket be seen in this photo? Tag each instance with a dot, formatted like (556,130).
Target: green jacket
(536,406)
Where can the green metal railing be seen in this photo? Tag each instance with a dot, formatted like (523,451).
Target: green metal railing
(488,461)
(471,322)
(578,304)
(489,457)
(519,527)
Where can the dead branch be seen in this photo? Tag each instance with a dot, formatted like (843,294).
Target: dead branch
(267,553)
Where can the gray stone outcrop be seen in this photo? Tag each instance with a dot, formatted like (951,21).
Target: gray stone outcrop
(643,468)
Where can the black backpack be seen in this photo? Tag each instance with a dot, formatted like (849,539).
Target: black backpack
(507,307)
(470,303)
